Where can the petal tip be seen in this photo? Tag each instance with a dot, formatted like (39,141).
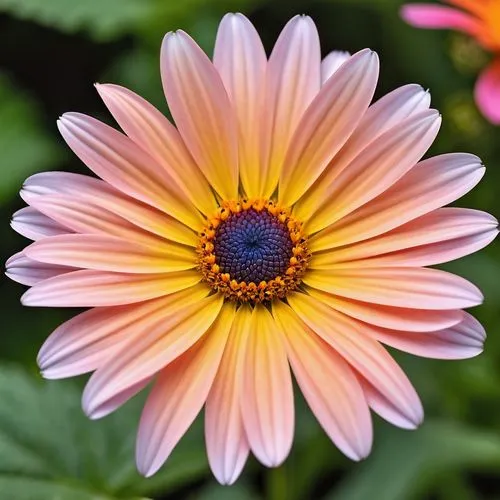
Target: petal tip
(66,117)
(23,300)
(224,478)
(412,420)
(10,276)
(11,259)
(302,21)
(146,465)
(50,374)
(41,360)
(361,451)
(102,88)
(146,472)
(418,417)
(360,455)
(95,414)
(415,15)
(405,12)
(476,295)
(274,462)
(474,352)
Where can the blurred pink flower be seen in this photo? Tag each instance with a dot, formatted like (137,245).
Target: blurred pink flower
(479,19)
(285,223)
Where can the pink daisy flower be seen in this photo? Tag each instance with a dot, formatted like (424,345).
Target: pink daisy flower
(481,20)
(285,223)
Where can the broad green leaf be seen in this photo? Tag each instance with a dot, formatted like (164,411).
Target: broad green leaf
(26,147)
(404,464)
(26,488)
(50,450)
(104,19)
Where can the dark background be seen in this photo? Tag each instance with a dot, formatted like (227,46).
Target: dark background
(51,52)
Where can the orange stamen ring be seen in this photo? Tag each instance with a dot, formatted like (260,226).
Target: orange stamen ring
(212,266)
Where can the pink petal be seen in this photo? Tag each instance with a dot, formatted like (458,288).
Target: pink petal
(29,272)
(413,287)
(118,160)
(179,394)
(429,185)
(227,445)
(91,339)
(240,58)
(268,413)
(439,236)
(329,386)
(331,63)
(32,224)
(121,398)
(109,253)
(378,167)
(293,80)
(386,409)
(436,253)
(201,110)
(175,330)
(487,92)
(364,354)
(327,124)
(439,17)
(84,217)
(396,318)
(386,113)
(464,340)
(88,288)
(151,130)
(91,191)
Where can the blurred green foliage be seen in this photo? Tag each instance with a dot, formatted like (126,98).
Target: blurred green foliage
(21,125)
(103,19)
(51,53)
(49,450)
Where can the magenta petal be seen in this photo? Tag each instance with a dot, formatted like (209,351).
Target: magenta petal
(439,17)
(487,92)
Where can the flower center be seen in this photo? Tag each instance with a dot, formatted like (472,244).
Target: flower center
(253,246)
(253,251)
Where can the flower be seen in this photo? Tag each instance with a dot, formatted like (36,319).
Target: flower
(285,222)
(481,20)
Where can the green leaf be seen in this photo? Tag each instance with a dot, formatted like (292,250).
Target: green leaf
(103,19)
(26,147)
(22,488)
(405,464)
(50,450)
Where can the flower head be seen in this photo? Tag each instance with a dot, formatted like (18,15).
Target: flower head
(285,222)
(481,20)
